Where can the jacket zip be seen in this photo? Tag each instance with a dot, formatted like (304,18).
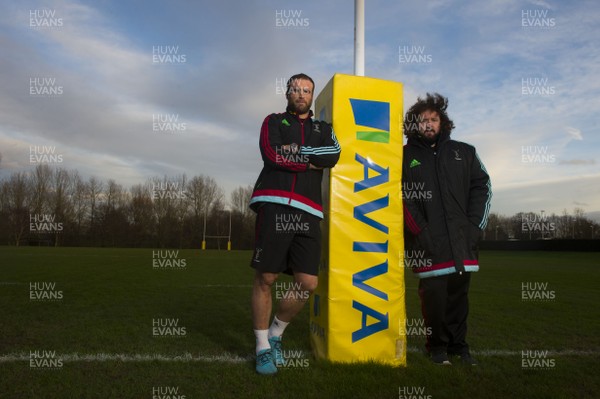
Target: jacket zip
(295,174)
(436,152)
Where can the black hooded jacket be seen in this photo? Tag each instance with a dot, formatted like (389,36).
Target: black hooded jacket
(446,193)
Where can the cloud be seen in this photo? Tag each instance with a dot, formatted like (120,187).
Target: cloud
(574,133)
(542,3)
(552,194)
(480,54)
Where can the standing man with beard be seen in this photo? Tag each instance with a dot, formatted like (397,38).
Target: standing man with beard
(447,194)
(287,199)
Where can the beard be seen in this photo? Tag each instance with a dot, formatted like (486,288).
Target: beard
(300,109)
(429,139)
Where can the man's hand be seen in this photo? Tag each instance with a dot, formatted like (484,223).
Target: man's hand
(311,166)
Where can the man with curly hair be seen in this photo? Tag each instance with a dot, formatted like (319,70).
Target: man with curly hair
(446,192)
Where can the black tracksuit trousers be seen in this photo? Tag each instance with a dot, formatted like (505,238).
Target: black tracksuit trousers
(445,307)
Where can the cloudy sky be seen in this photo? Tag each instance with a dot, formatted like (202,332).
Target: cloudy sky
(100,82)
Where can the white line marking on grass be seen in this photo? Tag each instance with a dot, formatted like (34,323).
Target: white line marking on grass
(235,359)
(200,286)
(506,352)
(224,286)
(132,357)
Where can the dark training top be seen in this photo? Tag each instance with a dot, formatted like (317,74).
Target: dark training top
(286,177)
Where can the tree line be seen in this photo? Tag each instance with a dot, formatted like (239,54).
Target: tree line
(542,226)
(56,207)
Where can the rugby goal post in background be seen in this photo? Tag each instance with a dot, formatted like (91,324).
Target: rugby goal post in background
(357,312)
(218,237)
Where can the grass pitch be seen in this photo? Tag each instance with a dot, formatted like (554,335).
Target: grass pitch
(104,323)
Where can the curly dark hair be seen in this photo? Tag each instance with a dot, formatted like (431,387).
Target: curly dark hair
(432,102)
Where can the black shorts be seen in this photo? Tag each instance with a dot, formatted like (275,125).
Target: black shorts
(288,240)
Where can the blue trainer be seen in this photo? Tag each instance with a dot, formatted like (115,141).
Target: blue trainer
(275,343)
(264,362)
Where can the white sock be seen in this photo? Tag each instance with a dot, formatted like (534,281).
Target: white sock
(262,340)
(277,327)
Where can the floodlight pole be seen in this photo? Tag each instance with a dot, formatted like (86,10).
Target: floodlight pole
(229,237)
(359,37)
(204,232)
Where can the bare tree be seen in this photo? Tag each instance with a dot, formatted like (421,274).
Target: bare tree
(204,197)
(240,199)
(40,185)
(80,204)
(95,188)
(166,194)
(17,195)
(243,217)
(580,223)
(141,214)
(61,199)
(113,215)
(204,193)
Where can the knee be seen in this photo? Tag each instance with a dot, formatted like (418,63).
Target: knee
(265,279)
(308,283)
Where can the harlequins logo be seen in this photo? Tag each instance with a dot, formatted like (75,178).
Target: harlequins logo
(285,122)
(316,128)
(414,163)
(457,155)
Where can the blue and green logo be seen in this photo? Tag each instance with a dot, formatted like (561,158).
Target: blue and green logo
(373,119)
